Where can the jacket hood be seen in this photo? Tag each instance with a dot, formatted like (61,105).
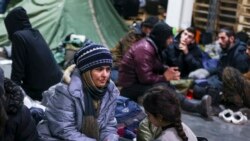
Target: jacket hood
(159,34)
(178,36)
(17,19)
(14,96)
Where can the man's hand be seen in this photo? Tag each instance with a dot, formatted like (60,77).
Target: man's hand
(183,47)
(172,73)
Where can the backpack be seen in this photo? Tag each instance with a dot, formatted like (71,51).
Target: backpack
(128,111)
(130,114)
(208,62)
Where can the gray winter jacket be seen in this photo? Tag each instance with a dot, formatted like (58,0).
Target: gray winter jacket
(65,113)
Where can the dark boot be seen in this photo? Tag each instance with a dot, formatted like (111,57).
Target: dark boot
(199,92)
(202,106)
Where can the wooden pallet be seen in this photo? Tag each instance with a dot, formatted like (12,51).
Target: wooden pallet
(225,18)
(241,27)
(201,5)
(200,13)
(200,8)
(142,15)
(244,20)
(200,23)
(221,24)
(201,27)
(244,2)
(231,2)
(227,13)
(226,24)
(243,10)
(224,8)
(202,1)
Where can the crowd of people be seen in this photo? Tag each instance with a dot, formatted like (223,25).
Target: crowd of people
(80,103)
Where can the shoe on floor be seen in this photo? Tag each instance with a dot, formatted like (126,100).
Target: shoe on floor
(239,118)
(226,115)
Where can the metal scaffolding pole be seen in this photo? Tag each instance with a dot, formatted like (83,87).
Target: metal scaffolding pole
(212,12)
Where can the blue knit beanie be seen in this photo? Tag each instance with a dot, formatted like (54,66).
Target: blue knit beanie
(92,56)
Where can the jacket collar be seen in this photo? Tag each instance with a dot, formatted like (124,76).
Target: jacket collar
(75,86)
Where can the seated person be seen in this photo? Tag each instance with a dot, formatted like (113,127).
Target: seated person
(84,108)
(142,67)
(242,36)
(138,31)
(34,68)
(16,122)
(184,53)
(233,55)
(163,110)
(236,87)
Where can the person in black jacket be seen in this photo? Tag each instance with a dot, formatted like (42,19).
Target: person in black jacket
(233,52)
(184,53)
(16,122)
(34,67)
(233,55)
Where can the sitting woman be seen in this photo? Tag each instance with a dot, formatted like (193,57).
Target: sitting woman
(83,109)
(163,110)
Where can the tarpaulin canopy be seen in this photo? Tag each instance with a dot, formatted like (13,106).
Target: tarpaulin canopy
(97,19)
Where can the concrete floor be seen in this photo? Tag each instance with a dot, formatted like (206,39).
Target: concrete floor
(214,130)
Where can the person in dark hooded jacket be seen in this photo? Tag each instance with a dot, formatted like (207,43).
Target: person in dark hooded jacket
(137,32)
(184,53)
(16,122)
(34,67)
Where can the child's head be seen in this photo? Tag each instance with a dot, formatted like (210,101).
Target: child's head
(161,105)
(163,109)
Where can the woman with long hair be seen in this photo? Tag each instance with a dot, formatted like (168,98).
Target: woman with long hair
(84,108)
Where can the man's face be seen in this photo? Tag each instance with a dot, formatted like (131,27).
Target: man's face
(248,50)
(146,30)
(223,40)
(187,37)
(169,41)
